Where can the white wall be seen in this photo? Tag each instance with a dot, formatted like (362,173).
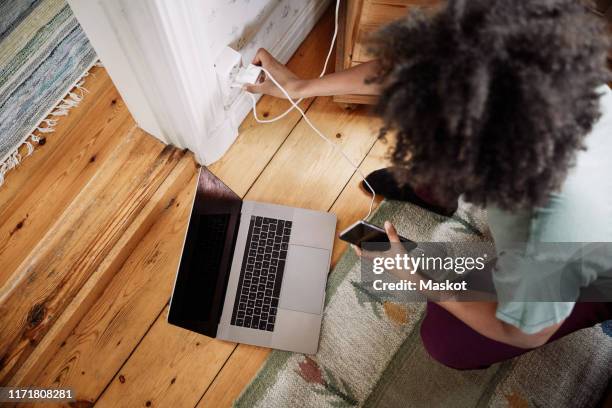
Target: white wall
(160,55)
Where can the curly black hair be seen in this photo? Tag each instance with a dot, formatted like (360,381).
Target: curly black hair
(491,98)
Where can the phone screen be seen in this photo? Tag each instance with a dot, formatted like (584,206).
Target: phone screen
(364,232)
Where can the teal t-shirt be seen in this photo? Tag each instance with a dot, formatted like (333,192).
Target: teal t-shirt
(580,212)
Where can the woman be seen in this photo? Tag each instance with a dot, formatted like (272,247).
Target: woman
(501,102)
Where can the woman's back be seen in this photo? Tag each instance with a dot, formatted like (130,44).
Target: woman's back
(580,212)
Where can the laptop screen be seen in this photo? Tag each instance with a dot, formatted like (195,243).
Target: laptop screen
(201,281)
(204,257)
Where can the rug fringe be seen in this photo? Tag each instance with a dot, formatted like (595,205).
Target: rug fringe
(72,99)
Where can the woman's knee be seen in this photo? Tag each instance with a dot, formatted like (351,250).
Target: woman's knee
(440,347)
(449,341)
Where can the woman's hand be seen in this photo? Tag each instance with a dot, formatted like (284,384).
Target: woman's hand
(288,80)
(391,233)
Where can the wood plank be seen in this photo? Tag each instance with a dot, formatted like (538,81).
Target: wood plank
(256,145)
(236,374)
(353,16)
(97,347)
(377,14)
(63,167)
(77,243)
(361,18)
(305,172)
(247,360)
(155,377)
(100,307)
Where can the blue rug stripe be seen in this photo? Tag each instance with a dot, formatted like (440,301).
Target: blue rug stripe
(36,76)
(51,79)
(13,12)
(61,26)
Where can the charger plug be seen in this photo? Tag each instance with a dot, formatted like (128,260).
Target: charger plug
(250,74)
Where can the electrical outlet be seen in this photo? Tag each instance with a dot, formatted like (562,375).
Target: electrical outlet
(228,66)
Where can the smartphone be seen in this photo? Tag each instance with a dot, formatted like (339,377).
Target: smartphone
(363,231)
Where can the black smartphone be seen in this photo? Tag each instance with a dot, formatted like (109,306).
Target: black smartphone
(363,231)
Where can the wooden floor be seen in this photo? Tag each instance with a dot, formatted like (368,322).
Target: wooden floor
(91,228)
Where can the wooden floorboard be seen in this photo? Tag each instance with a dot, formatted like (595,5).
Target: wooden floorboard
(177,363)
(80,240)
(36,194)
(122,314)
(87,276)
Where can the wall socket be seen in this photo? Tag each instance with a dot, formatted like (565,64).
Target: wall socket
(227,67)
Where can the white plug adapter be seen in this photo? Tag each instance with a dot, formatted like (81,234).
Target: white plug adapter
(249,75)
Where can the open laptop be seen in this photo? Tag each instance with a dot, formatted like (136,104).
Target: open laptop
(252,272)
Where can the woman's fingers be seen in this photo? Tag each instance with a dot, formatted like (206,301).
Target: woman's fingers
(267,88)
(391,232)
(357,250)
(265,60)
(261,57)
(254,88)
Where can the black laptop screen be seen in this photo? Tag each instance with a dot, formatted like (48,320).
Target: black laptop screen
(206,257)
(199,291)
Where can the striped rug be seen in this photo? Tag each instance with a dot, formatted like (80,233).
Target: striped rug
(43,56)
(371,355)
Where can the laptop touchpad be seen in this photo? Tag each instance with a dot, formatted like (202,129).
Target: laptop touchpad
(304,279)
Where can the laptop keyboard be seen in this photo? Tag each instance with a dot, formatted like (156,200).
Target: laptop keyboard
(261,274)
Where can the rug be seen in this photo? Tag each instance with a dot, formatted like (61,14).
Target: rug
(370,353)
(44,54)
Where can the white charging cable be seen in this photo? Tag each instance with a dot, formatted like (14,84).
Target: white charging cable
(295,105)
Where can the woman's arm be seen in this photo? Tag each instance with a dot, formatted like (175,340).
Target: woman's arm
(349,81)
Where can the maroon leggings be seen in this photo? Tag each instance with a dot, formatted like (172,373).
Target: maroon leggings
(455,344)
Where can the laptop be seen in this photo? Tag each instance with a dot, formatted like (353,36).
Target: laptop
(252,272)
